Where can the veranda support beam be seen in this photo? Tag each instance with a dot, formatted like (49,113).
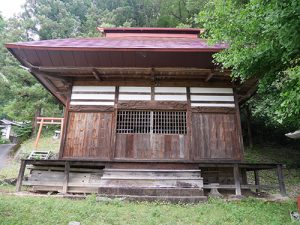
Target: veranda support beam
(237,182)
(20,175)
(256,178)
(66,177)
(281,180)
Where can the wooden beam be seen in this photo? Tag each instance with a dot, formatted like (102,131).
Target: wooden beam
(281,180)
(20,175)
(97,75)
(210,75)
(165,83)
(50,86)
(237,182)
(256,178)
(66,177)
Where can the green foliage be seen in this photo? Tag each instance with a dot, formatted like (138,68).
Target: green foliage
(50,19)
(263,43)
(4,141)
(23,132)
(21,96)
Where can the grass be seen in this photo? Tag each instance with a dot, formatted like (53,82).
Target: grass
(46,143)
(37,210)
(290,157)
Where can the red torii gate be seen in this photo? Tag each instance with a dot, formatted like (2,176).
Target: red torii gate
(46,121)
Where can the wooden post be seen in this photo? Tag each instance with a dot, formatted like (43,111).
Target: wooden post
(61,128)
(237,182)
(39,133)
(281,180)
(256,178)
(66,177)
(20,175)
(249,130)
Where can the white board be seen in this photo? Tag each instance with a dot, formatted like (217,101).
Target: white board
(91,103)
(170,97)
(212,98)
(211,90)
(94,88)
(170,90)
(93,96)
(135,89)
(213,105)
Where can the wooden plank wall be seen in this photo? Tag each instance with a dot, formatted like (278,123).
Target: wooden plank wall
(215,136)
(151,146)
(88,135)
(212,118)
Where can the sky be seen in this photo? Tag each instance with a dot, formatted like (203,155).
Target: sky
(10,7)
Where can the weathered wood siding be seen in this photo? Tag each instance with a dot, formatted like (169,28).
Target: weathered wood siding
(151,146)
(88,135)
(215,136)
(213,128)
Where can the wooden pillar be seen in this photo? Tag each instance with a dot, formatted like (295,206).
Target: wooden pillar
(281,180)
(20,175)
(249,130)
(256,178)
(61,128)
(237,182)
(66,177)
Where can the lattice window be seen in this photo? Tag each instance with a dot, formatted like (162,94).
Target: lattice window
(157,122)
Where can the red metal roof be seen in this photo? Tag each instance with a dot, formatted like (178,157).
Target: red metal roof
(122,44)
(150,30)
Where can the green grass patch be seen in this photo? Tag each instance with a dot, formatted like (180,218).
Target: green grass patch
(46,143)
(288,156)
(43,210)
(10,171)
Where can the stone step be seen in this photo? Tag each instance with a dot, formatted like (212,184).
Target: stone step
(172,199)
(151,191)
(152,183)
(149,174)
(150,170)
(114,177)
(158,178)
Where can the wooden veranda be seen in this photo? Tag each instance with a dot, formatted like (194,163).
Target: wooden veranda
(236,167)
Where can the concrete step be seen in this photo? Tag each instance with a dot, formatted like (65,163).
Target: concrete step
(172,199)
(150,191)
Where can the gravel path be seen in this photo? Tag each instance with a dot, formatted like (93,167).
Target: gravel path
(4,151)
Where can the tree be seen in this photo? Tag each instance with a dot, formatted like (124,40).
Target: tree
(21,96)
(264,43)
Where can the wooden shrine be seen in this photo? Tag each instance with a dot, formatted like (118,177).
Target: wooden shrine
(147,113)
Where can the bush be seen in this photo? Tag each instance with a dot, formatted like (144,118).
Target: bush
(4,141)
(23,132)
